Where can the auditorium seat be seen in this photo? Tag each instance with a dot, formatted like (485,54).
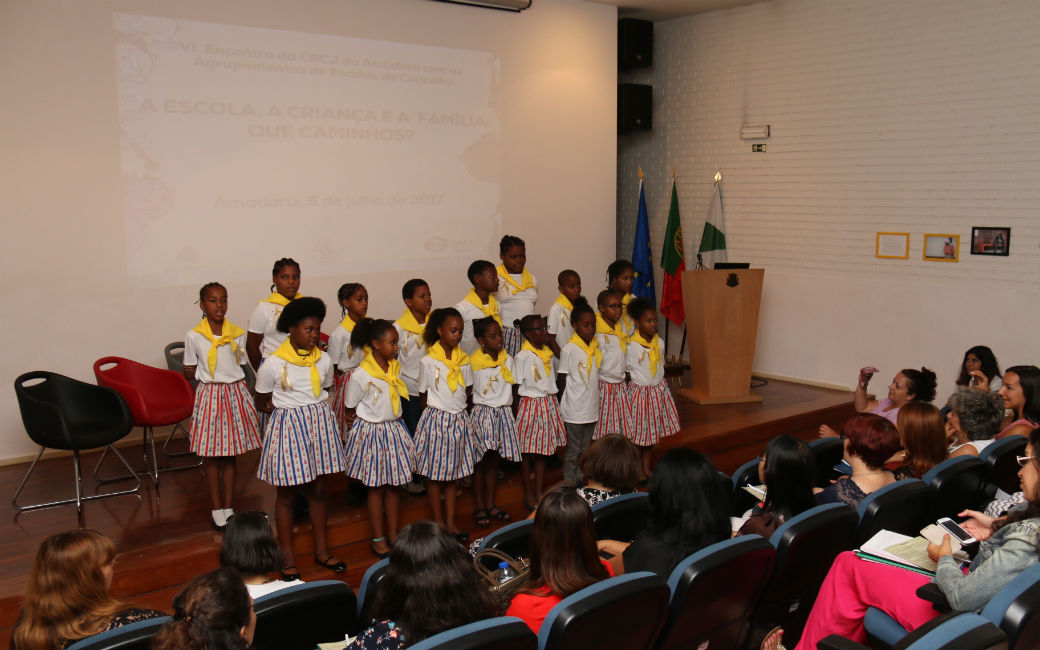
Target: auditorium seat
(625,612)
(806,546)
(366,595)
(955,631)
(501,633)
(713,593)
(1001,456)
(901,507)
(957,483)
(742,499)
(302,616)
(514,539)
(827,452)
(132,636)
(622,518)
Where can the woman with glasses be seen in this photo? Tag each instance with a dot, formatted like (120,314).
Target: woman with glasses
(1008,546)
(250,548)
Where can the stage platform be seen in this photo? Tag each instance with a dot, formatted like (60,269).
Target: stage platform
(164,536)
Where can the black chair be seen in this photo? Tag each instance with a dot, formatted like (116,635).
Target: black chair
(625,613)
(1003,464)
(956,631)
(622,518)
(366,595)
(746,474)
(827,452)
(806,546)
(302,616)
(514,539)
(62,413)
(132,636)
(502,633)
(713,593)
(957,483)
(902,507)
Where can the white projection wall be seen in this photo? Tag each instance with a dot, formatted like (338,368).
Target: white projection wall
(150,146)
(225,127)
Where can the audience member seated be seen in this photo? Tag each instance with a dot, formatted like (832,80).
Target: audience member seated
(787,468)
(980,369)
(974,418)
(67,596)
(1008,547)
(1021,393)
(214,611)
(563,556)
(611,467)
(869,441)
(922,433)
(250,548)
(907,386)
(430,586)
(689,510)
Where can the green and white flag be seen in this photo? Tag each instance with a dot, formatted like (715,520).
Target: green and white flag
(713,239)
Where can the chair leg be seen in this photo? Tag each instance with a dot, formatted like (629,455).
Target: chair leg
(79,498)
(165,448)
(149,433)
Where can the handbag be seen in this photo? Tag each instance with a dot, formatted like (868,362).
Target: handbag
(520,567)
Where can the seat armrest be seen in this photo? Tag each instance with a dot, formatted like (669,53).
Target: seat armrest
(835,642)
(935,596)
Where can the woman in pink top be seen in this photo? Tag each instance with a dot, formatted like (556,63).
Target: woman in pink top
(1021,393)
(908,385)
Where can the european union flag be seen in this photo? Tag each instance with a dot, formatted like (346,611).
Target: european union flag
(642,258)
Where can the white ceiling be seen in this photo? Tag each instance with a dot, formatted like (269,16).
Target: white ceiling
(665,9)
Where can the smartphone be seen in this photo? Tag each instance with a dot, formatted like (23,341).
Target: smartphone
(953,528)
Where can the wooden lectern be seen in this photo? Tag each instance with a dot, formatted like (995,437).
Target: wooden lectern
(721,324)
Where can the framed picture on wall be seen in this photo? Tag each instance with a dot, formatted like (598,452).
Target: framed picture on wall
(987,240)
(942,247)
(892,245)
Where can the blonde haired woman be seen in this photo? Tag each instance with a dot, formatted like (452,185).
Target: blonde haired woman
(67,596)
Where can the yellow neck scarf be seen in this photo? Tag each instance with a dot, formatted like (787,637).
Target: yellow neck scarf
(653,348)
(454,364)
(280,300)
(230,332)
(408,323)
(490,310)
(526,280)
(625,299)
(603,328)
(481,360)
(564,302)
(287,352)
(592,353)
(348,323)
(392,377)
(545,354)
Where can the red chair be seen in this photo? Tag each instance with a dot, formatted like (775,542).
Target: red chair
(156,398)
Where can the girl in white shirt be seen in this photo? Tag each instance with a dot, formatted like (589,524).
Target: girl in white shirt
(621,276)
(653,409)
(223,422)
(559,319)
(614,408)
(538,422)
(479,302)
(580,360)
(344,352)
(410,345)
(263,337)
(379,447)
(517,290)
(494,430)
(302,443)
(443,449)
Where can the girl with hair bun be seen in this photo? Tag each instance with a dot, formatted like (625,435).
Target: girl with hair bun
(908,385)
(302,442)
(264,337)
(213,611)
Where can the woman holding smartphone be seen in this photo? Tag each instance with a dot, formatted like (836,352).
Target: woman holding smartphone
(1007,546)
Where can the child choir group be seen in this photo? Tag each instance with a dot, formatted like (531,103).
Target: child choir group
(429,395)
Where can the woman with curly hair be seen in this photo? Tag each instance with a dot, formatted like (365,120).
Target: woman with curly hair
(974,419)
(214,611)
(67,596)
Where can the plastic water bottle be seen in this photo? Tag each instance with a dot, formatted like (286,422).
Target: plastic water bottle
(505,573)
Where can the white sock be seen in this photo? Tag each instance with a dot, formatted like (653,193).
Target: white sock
(219,518)
(227,513)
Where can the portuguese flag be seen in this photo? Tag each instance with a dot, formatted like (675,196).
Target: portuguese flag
(673,264)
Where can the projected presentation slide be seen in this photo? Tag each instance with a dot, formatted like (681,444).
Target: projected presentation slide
(365,155)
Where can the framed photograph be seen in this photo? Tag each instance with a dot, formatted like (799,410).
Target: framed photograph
(986,240)
(892,245)
(942,247)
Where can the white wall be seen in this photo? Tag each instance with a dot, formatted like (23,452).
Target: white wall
(66,300)
(916,117)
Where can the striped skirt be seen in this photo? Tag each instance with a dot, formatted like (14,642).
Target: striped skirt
(653,413)
(539,425)
(614,410)
(339,398)
(302,443)
(443,448)
(493,429)
(224,421)
(380,453)
(512,339)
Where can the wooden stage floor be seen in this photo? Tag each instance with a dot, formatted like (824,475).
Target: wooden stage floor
(164,537)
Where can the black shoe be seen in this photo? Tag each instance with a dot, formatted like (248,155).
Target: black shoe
(289,576)
(336,567)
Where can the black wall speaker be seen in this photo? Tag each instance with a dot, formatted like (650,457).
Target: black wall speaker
(635,104)
(635,43)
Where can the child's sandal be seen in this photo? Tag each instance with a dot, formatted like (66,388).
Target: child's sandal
(499,514)
(482,518)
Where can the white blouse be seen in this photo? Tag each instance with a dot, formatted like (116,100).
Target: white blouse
(229,364)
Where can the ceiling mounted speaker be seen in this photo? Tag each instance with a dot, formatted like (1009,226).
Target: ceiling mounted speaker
(505,5)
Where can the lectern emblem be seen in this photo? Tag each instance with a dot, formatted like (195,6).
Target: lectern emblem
(732,280)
